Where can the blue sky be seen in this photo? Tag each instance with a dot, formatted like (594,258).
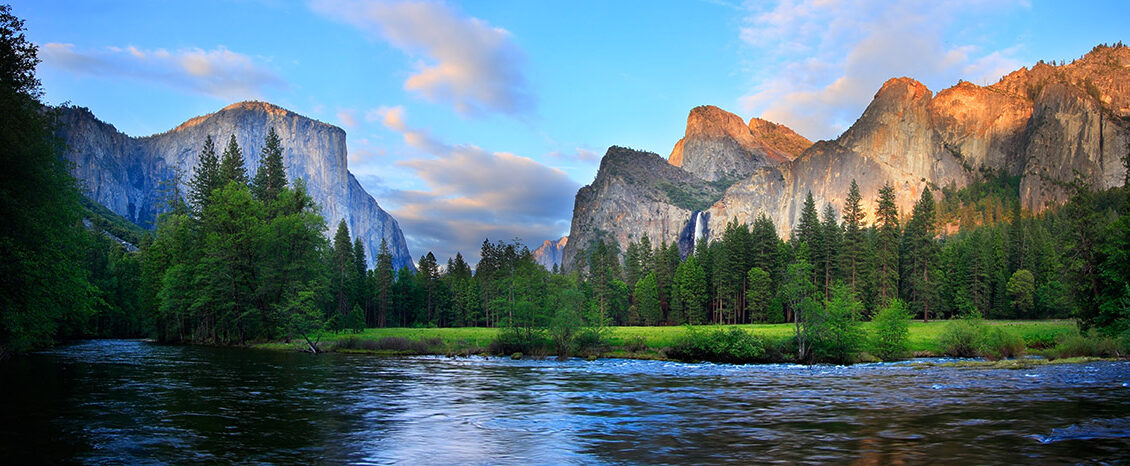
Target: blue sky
(481,119)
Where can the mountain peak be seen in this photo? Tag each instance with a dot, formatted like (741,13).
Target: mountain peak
(253,106)
(719,145)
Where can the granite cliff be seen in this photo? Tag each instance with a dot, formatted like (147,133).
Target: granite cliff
(128,174)
(550,251)
(1045,124)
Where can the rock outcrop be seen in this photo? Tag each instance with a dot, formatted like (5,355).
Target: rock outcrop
(550,252)
(718,146)
(131,176)
(634,193)
(1045,124)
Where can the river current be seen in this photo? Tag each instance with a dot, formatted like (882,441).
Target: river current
(125,401)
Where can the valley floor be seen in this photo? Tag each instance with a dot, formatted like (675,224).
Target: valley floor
(643,342)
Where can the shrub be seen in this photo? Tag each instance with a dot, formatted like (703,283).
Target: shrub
(635,344)
(998,343)
(892,325)
(732,345)
(962,338)
(837,335)
(1094,345)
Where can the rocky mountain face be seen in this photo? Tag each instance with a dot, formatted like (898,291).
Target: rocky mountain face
(719,146)
(550,252)
(1044,124)
(131,176)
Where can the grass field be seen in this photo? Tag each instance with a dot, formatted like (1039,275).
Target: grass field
(923,337)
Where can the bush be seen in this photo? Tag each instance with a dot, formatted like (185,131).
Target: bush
(512,340)
(963,338)
(999,343)
(1094,345)
(732,345)
(837,334)
(635,344)
(892,325)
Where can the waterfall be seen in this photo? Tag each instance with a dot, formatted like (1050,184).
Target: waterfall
(699,229)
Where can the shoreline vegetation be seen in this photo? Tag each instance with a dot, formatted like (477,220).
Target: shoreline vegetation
(1051,341)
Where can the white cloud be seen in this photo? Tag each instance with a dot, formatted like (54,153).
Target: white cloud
(467,63)
(474,194)
(219,73)
(819,62)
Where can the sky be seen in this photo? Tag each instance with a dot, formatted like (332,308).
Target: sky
(481,119)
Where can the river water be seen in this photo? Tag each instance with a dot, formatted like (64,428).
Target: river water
(116,401)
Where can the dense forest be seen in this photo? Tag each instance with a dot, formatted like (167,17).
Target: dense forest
(244,257)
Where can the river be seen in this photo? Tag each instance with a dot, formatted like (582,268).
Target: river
(123,401)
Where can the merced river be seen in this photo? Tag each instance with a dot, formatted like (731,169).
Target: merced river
(132,402)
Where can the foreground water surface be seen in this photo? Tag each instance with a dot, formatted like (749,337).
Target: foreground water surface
(133,402)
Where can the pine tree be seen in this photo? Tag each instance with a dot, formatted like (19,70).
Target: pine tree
(854,239)
(689,293)
(886,255)
(428,277)
(808,231)
(205,177)
(270,178)
(647,300)
(384,276)
(341,260)
(231,164)
(757,299)
(830,237)
(921,255)
(357,277)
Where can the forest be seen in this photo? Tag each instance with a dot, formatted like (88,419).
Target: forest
(240,258)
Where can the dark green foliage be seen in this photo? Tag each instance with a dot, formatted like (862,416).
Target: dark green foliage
(892,324)
(854,243)
(885,255)
(919,253)
(270,178)
(1021,289)
(205,177)
(689,293)
(732,345)
(757,298)
(41,237)
(963,338)
(646,301)
(231,165)
(836,331)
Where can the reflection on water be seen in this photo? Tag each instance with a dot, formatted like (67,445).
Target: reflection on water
(128,401)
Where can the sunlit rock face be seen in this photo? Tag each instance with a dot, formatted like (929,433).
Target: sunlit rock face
(550,252)
(1045,124)
(133,176)
(717,145)
(634,193)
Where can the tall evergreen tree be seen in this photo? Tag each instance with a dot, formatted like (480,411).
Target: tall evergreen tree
(427,275)
(384,276)
(359,285)
(920,256)
(854,238)
(689,293)
(808,231)
(231,164)
(647,300)
(886,254)
(830,236)
(270,178)
(205,177)
(341,261)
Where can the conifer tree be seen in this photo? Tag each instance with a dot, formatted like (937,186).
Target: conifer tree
(205,177)
(921,255)
(808,231)
(886,254)
(384,275)
(231,164)
(689,293)
(270,178)
(830,235)
(854,239)
(341,260)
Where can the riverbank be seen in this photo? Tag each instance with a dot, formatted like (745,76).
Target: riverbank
(1041,338)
